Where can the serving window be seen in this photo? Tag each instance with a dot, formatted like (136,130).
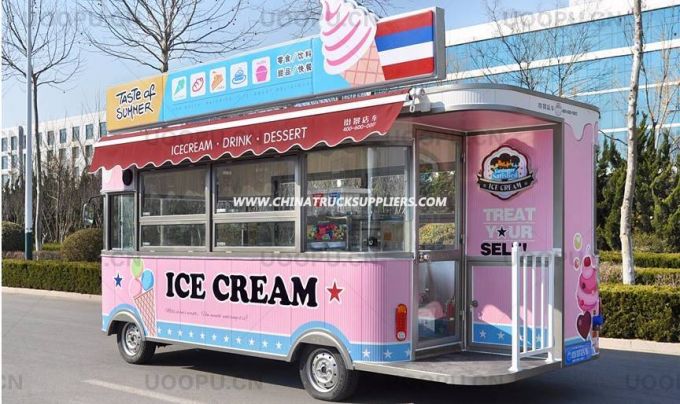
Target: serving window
(345,186)
(254,204)
(173,208)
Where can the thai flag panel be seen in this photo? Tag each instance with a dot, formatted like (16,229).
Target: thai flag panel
(406,45)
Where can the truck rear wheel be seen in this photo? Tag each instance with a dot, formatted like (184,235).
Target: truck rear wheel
(325,376)
(133,347)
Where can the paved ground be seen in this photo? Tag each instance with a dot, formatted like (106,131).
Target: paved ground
(53,351)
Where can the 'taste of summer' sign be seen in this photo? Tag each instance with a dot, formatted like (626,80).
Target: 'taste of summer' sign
(354,51)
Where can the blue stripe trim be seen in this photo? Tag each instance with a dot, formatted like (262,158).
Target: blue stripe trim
(279,345)
(404,38)
(497,334)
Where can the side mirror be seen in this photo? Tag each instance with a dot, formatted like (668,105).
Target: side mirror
(88,214)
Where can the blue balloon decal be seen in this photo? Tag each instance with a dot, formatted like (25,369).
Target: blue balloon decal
(147,279)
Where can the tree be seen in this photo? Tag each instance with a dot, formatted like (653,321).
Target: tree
(55,59)
(546,60)
(155,32)
(626,227)
(662,82)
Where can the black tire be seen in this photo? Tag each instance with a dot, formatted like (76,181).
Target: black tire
(133,347)
(333,381)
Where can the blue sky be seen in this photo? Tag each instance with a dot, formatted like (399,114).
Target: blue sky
(85,93)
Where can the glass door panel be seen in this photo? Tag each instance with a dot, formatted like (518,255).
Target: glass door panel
(438,185)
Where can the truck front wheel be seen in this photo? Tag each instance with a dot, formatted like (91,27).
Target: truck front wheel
(325,376)
(133,347)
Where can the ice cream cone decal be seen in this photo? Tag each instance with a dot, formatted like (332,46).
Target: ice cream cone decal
(141,291)
(348,37)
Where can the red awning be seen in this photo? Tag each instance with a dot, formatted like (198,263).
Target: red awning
(305,127)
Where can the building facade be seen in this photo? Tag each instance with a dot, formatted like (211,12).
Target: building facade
(583,52)
(68,141)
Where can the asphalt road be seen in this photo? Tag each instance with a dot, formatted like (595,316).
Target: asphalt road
(53,351)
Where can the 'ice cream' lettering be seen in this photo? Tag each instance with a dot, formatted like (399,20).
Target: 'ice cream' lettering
(237,288)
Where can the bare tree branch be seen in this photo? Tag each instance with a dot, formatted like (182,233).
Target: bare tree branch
(155,32)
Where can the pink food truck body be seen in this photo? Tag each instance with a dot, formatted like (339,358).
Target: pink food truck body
(443,233)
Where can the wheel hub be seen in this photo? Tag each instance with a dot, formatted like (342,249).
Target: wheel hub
(132,338)
(323,371)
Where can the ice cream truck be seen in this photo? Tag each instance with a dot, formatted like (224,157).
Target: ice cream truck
(330,201)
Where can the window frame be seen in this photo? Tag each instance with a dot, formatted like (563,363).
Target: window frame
(107,221)
(292,215)
(203,219)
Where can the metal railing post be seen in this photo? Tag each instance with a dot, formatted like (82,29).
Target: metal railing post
(514,367)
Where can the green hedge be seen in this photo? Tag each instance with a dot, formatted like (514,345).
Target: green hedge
(641,312)
(83,245)
(611,273)
(12,237)
(80,277)
(645,259)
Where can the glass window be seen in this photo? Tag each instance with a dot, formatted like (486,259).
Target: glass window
(62,155)
(5,179)
(174,192)
(50,156)
(13,142)
(50,137)
(89,131)
(121,222)
(4,144)
(4,162)
(75,153)
(437,178)
(62,135)
(254,204)
(341,184)
(255,234)
(260,179)
(88,151)
(75,133)
(173,235)
(102,129)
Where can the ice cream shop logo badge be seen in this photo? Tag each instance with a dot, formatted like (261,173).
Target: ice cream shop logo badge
(505,172)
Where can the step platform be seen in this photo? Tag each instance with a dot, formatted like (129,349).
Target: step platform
(462,368)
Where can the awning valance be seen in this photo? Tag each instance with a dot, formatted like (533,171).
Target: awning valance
(305,127)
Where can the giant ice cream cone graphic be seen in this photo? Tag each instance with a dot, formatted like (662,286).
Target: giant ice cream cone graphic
(141,291)
(348,38)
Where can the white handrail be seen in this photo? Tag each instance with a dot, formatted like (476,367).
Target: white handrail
(520,321)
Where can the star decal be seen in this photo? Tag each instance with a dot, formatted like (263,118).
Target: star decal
(251,342)
(366,353)
(501,336)
(482,334)
(388,354)
(238,340)
(169,331)
(179,333)
(191,334)
(118,280)
(202,336)
(265,344)
(214,337)
(501,232)
(278,345)
(335,292)
(407,353)
(226,338)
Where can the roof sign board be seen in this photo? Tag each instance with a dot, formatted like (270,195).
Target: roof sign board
(355,51)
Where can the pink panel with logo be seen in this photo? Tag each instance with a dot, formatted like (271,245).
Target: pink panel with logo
(509,199)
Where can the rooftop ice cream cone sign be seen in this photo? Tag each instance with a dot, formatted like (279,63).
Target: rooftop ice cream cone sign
(355,51)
